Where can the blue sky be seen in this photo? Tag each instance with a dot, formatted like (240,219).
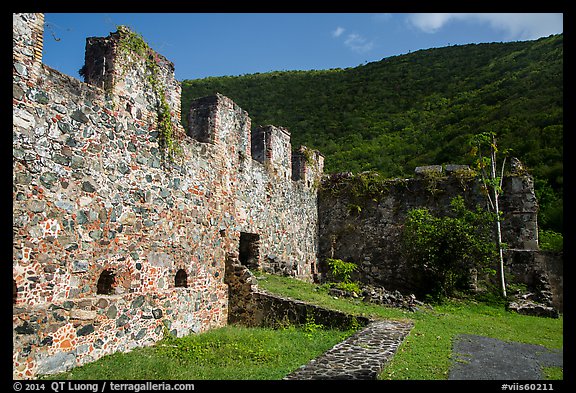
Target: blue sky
(216,44)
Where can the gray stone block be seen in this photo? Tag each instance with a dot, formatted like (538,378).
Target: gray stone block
(57,363)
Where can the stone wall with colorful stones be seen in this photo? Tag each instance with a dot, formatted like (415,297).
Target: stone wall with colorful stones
(115,242)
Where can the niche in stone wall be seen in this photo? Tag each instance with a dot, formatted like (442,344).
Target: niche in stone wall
(249,250)
(181,279)
(105,285)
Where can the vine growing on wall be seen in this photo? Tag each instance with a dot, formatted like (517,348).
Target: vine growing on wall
(361,188)
(132,42)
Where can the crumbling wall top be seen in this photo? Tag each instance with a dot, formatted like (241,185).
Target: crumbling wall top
(27,43)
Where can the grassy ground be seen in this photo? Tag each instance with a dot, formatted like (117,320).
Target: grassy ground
(426,352)
(240,353)
(229,353)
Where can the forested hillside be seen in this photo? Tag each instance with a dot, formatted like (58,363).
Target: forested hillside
(419,109)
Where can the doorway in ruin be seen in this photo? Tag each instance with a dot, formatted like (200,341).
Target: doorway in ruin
(249,251)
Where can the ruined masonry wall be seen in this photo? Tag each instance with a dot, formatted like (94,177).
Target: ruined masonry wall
(371,236)
(93,191)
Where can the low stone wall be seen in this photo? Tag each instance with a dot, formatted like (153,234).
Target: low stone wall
(252,306)
(273,311)
(241,286)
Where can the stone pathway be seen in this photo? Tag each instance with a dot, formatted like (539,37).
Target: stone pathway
(361,356)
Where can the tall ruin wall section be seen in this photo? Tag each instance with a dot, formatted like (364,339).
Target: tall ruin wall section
(114,243)
(365,227)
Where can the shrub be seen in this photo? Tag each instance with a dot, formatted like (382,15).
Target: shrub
(341,272)
(340,269)
(446,249)
(551,240)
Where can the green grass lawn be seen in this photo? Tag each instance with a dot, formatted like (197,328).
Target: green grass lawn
(240,353)
(426,352)
(229,353)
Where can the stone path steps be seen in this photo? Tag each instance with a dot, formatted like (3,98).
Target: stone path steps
(361,356)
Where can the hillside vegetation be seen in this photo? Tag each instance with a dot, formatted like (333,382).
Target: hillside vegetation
(419,109)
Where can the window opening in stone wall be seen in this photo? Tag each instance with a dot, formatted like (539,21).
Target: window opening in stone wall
(249,252)
(105,284)
(181,279)
(14,291)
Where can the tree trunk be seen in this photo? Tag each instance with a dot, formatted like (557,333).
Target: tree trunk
(498,229)
(500,254)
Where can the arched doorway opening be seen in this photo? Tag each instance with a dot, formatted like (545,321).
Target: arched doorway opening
(181,279)
(105,285)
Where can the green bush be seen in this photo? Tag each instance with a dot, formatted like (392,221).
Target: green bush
(340,269)
(551,240)
(348,287)
(445,249)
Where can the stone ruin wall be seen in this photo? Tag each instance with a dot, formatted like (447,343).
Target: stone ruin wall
(370,236)
(94,194)
(254,307)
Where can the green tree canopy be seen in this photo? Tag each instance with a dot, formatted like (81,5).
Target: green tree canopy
(418,109)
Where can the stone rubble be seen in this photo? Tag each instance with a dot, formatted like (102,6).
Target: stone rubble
(380,295)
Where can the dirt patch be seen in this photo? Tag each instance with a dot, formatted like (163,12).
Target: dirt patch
(478,357)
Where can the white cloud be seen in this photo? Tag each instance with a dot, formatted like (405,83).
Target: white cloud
(338,32)
(517,26)
(430,23)
(358,43)
(353,41)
